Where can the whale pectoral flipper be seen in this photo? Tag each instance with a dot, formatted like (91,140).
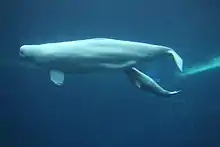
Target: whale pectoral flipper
(138,84)
(57,77)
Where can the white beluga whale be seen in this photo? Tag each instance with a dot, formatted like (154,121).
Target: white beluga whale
(93,55)
(146,83)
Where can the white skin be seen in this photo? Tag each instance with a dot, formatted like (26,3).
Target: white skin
(99,54)
(90,55)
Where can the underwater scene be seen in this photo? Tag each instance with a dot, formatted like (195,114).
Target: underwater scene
(110,73)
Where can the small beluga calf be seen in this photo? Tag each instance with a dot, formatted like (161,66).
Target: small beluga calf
(99,54)
(146,83)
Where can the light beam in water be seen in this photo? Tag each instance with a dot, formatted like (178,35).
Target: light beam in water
(214,63)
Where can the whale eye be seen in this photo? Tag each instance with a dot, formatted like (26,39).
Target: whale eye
(22,53)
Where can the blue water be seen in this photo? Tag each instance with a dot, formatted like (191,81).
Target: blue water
(105,110)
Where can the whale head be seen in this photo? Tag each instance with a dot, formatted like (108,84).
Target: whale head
(29,54)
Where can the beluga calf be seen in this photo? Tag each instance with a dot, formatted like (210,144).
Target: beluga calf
(97,54)
(146,83)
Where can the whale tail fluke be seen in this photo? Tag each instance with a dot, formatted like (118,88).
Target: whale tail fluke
(174,92)
(178,60)
(171,93)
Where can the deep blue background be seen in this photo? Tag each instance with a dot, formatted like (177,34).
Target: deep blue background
(104,110)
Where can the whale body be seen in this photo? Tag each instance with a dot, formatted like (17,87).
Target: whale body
(146,83)
(92,55)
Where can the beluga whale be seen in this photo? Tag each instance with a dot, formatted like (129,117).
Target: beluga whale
(99,54)
(146,83)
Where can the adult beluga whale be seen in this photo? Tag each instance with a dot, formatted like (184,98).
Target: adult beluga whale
(92,55)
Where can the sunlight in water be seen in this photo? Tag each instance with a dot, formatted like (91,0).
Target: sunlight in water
(214,63)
